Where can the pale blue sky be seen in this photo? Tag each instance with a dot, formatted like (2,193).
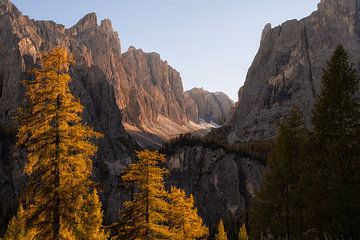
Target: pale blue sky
(210,42)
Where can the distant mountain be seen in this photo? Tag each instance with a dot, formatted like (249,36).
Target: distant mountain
(134,88)
(153,102)
(212,107)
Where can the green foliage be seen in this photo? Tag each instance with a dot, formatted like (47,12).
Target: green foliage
(336,120)
(314,182)
(256,151)
(221,234)
(59,201)
(278,206)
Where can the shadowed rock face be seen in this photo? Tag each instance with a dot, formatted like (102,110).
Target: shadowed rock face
(222,182)
(288,67)
(95,48)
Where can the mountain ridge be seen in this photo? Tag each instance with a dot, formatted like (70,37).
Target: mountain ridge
(99,80)
(287,69)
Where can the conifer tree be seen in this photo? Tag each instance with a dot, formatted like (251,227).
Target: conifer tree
(145,217)
(59,155)
(17,229)
(221,234)
(91,220)
(243,233)
(184,221)
(336,121)
(278,206)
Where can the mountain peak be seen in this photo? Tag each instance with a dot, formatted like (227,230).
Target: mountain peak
(88,21)
(106,24)
(5,3)
(7,7)
(338,6)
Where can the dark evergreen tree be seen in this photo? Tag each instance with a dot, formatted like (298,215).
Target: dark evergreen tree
(278,206)
(335,188)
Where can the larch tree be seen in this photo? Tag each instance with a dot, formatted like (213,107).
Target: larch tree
(221,233)
(184,221)
(60,195)
(17,229)
(145,217)
(278,206)
(243,235)
(336,121)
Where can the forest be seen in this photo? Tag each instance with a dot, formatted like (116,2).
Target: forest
(310,191)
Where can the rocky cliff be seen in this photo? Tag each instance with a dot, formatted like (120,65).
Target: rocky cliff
(153,101)
(222,180)
(154,104)
(94,47)
(136,88)
(288,67)
(212,107)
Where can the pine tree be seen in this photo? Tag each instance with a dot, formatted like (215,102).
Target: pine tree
(185,223)
(278,206)
(17,229)
(145,217)
(59,154)
(243,233)
(221,234)
(336,121)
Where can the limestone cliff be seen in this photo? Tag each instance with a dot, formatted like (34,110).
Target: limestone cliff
(223,181)
(288,67)
(143,87)
(94,47)
(211,107)
(154,105)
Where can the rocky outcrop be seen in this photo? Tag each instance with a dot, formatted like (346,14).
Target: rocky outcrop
(154,105)
(288,67)
(155,88)
(95,48)
(222,181)
(211,107)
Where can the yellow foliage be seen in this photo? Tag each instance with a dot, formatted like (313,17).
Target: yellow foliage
(243,233)
(221,234)
(17,229)
(184,221)
(59,155)
(145,217)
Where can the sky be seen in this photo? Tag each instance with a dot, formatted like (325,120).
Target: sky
(212,43)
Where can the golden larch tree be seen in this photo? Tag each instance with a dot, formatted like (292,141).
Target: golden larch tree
(60,196)
(221,234)
(17,229)
(184,220)
(145,217)
(243,235)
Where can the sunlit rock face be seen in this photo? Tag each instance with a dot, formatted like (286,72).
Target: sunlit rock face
(288,67)
(135,88)
(153,101)
(96,50)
